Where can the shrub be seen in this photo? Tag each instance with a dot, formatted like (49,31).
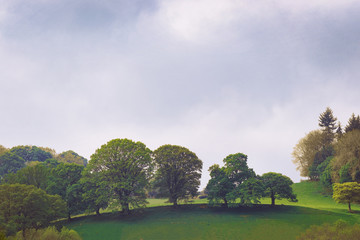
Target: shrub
(50,233)
(340,230)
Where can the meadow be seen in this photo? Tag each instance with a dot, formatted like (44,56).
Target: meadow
(195,220)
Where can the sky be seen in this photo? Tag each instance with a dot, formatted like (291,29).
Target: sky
(215,76)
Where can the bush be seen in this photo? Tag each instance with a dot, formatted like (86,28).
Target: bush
(340,230)
(49,233)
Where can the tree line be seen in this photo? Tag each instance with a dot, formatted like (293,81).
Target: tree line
(331,155)
(39,186)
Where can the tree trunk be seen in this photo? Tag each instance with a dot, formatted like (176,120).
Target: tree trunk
(125,208)
(175,203)
(226,203)
(97,211)
(272,199)
(69,216)
(349,207)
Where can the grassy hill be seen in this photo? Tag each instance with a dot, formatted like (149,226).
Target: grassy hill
(197,221)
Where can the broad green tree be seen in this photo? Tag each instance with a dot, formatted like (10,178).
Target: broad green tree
(278,186)
(219,185)
(10,163)
(233,181)
(178,172)
(37,175)
(25,206)
(31,153)
(348,193)
(305,150)
(65,181)
(96,193)
(125,167)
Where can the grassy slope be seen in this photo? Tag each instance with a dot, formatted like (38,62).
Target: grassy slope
(198,222)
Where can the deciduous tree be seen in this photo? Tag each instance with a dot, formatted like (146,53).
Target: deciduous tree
(178,172)
(348,192)
(278,186)
(125,167)
(25,206)
(305,150)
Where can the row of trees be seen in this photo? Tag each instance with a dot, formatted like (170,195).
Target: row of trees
(11,160)
(236,181)
(330,154)
(121,172)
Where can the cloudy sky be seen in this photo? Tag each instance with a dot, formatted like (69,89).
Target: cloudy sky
(216,76)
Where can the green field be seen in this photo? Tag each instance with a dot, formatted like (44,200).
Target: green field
(197,221)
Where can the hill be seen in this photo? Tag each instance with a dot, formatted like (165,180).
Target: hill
(197,221)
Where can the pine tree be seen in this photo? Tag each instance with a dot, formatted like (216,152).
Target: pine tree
(339,131)
(353,123)
(327,120)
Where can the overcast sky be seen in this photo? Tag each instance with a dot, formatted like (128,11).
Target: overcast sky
(215,76)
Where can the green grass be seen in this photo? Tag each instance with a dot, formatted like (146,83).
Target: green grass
(197,221)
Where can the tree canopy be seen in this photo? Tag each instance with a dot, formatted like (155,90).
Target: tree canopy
(125,166)
(278,186)
(348,192)
(25,206)
(178,172)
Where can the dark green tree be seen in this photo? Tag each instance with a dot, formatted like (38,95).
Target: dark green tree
(233,181)
(178,172)
(327,120)
(96,193)
(219,185)
(65,182)
(25,206)
(37,175)
(353,123)
(10,163)
(31,153)
(278,186)
(125,167)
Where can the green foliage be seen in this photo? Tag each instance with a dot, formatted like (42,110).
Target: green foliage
(37,175)
(344,174)
(31,153)
(278,186)
(96,193)
(178,172)
(10,163)
(71,157)
(49,233)
(347,153)
(325,177)
(340,230)
(353,123)
(346,193)
(320,162)
(233,181)
(25,206)
(219,185)
(328,122)
(65,182)
(125,167)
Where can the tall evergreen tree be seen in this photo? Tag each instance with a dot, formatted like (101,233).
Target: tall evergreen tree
(353,123)
(328,122)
